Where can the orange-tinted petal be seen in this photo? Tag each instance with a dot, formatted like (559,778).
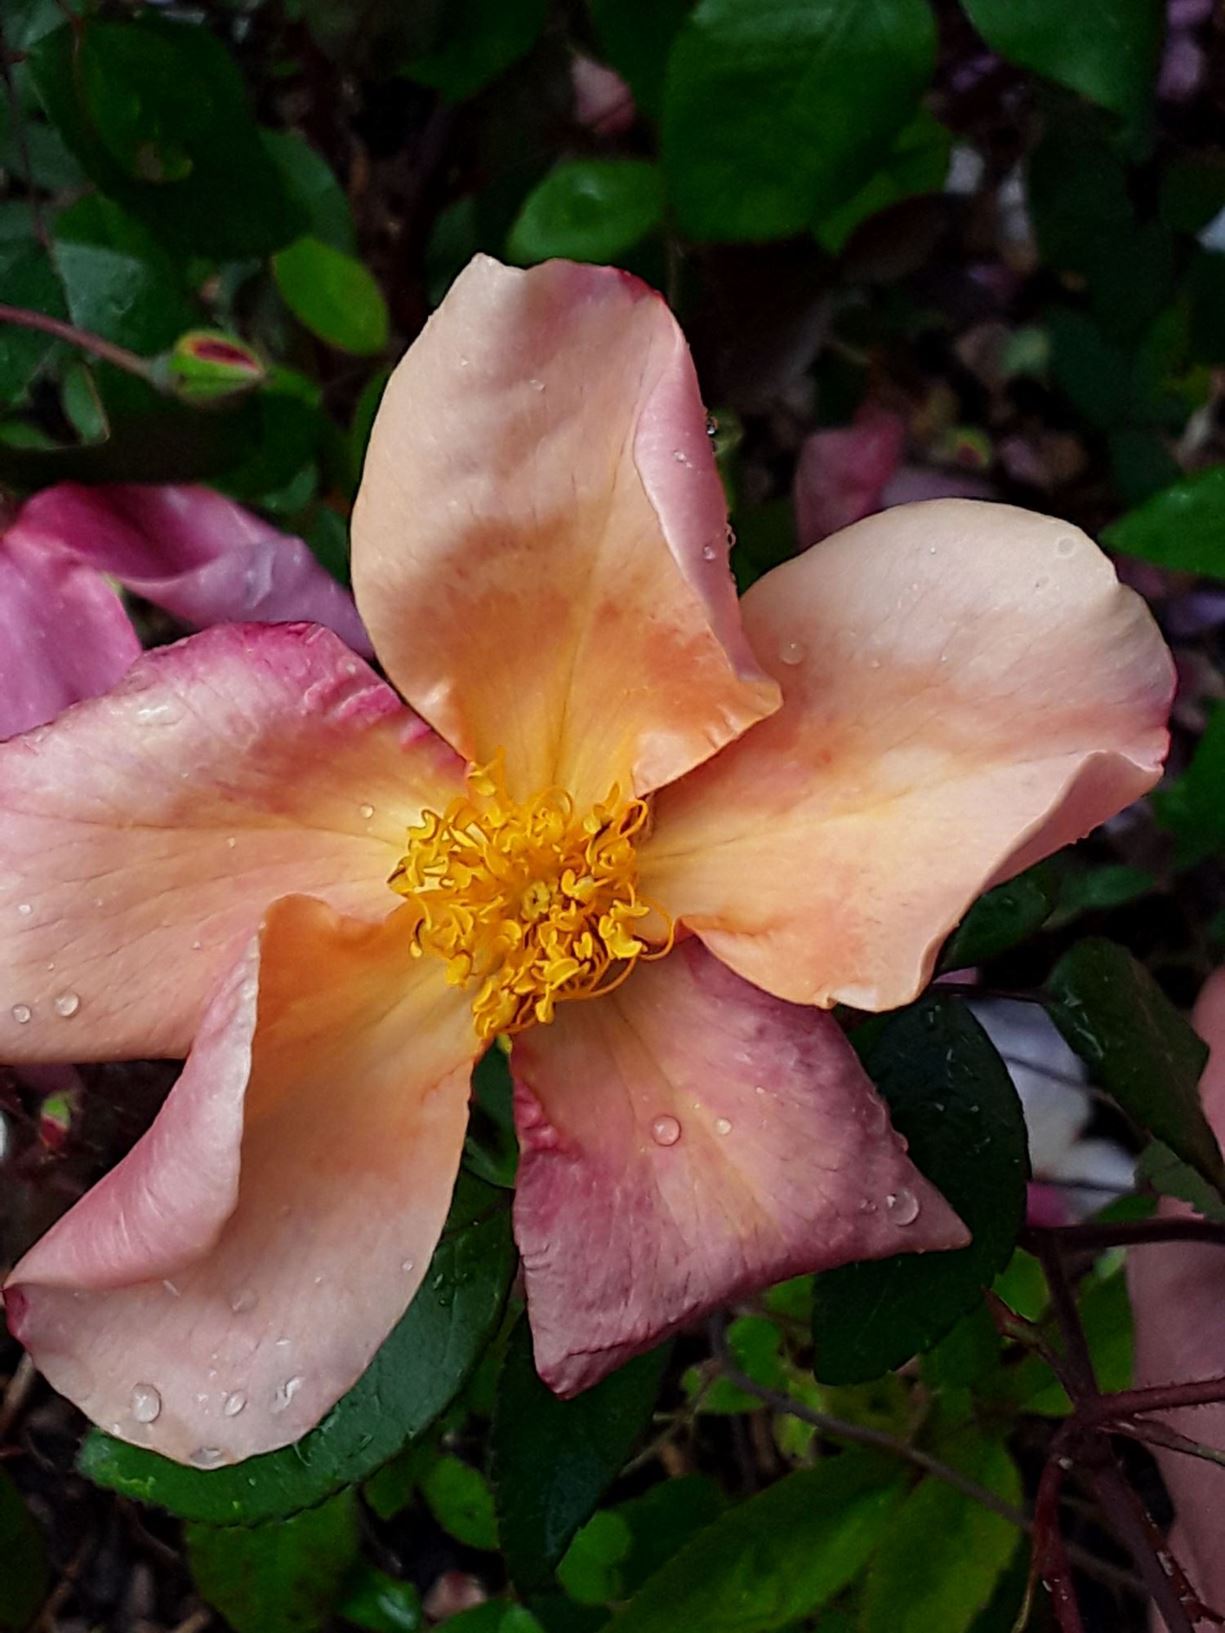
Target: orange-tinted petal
(233,1276)
(143,833)
(966,689)
(539,544)
(685,1141)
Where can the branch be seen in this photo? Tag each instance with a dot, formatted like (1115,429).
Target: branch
(1126,1233)
(119,356)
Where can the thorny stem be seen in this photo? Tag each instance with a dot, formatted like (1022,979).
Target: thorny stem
(1160,1434)
(119,356)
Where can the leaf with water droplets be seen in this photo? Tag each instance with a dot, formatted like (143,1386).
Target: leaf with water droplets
(950,1096)
(413,1378)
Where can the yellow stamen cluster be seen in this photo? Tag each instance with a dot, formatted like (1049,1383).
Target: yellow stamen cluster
(532,902)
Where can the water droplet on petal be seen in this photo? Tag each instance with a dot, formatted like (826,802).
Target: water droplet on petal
(285,1392)
(207,1457)
(665,1131)
(875,1116)
(367,811)
(146,1403)
(536,385)
(283,1343)
(723,1125)
(67,1004)
(791,652)
(406,1265)
(680,456)
(903,1207)
(22,1013)
(759,1088)
(25,909)
(245,1299)
(172,1289)
(1066,546)
(709,552)
(231,841)
(233,1404)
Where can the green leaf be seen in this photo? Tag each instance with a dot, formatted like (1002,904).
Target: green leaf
(491,1147)
(28,280)
(1137,1046)
(1003,918)
(412,1379)
(1108,50)
(334,295)
(664,1519)
(775,1558)
(119,281)
(1193,807)
(311,185)
(1172,1177)
(156,113)
(284,1578)
(1192,192)
(381,1603)
(553,1459)
(475,41)
(918,163)
(951,1097)
(1182,527)
(23,1560)
(944,1553)
(754,1343)
(459,1498)
(776,112)
(636,36)
(590,1571)
(494,1617)
(588,210)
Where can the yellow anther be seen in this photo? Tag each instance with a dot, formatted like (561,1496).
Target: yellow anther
(531,903)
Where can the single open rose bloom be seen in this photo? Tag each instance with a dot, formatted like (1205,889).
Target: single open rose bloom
(709,820)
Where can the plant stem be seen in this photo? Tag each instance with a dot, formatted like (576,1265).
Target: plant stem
(1126,1233)
(119,356)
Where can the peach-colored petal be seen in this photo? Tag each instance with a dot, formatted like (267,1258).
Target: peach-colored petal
(64,634)
(1178,1298)
(966,689)
(539,544)
(687,1140)
(143,833)
(234,1275)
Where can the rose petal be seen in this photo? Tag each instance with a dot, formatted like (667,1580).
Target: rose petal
(539,544)
(1178,1299)
(143,834)
(234,1275)
(194,553)
(841,473)
(63,634)
(687,1140)
(966,689)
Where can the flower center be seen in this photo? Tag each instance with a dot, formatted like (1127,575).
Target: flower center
(532,903)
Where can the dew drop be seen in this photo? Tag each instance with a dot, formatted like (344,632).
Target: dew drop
(1066,546)
(283,1343)
(245,1299)
(285,1392)
(406,1265)
(536,385)
(723,1125)
(712,426)
(207,1457)
(146,1403)
(172,1289)
(791,652)
(366,812)
(665,1131)
(25,909)
(875,1116)
(759,1088)
(66,1004)
(233,1404)
(231,841)
(680,456)
(903,1207)
(22,1013)
(709,553)
(197,946)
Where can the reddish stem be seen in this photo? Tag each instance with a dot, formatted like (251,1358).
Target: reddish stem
(119,356)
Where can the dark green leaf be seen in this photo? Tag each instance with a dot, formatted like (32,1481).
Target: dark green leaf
(23,1560)
(918,163)
(1172,1177)
(1193,807)
(1183,527)
(413,1378)
(636,36)
(381,1603)
(475,41)
(1192,192)
(779,1556)
(950,1096)
(28,280)
(308,180)
(494,1617)
(333,294)
(590,1570)
(664,1519)
(460,1500)
(1137,1046)
(588,210)
(156,112)
(944,1553)
(553,1459)
(776,112)
(1108,50)
(284,1578)
(1001,919)
(119,281)
(172,444)
(491,1148)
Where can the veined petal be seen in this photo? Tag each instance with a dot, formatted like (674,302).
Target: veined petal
(64,634)
(223,1286)
(967,688)
(687,1140)
(143,834)
(193,552)
(539,543)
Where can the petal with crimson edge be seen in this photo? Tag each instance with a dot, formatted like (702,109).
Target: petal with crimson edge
(689,1139)
(64,634)
(967,688)
(143,833)
(540,539)
(222,1287)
